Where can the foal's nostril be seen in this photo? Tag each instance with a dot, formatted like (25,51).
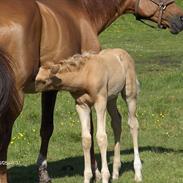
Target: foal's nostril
(40,85)
(181,18)
(41,82)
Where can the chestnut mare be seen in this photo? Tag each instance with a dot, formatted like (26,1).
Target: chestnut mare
(34,33)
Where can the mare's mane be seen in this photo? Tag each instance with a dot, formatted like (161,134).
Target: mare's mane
(102,8)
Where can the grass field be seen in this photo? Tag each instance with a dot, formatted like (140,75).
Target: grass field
(159,61)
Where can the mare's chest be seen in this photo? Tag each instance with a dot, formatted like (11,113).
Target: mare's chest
(61,36)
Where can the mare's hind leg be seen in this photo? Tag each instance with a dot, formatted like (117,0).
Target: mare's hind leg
(48,104)
(5,136)
(116,126)
(6,124)
(133,123)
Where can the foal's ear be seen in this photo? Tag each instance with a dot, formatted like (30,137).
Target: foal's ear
(56,81)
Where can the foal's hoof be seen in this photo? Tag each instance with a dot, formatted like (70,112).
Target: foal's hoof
(115,176)
(98,175)
(138,178)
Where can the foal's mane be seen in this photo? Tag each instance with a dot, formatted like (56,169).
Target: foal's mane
(74,63)
(103,8)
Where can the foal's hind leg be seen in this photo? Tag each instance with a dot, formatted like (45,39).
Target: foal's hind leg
(116,126)
(84,115)
(48,104)
(133,123)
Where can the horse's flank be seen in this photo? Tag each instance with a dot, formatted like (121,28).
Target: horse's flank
(9,99)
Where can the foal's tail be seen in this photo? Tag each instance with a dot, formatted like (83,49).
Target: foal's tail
(138,86)
(7,84)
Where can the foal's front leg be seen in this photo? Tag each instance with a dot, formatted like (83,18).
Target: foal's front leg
(100,107)
(133,123)
(116,126)
(95,170)
(84,115)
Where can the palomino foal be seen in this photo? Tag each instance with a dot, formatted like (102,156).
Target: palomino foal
(96,80)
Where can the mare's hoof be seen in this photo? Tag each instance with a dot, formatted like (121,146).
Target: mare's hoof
(44,177)
(45,180)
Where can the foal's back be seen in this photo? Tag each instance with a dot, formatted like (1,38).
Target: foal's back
(119,70)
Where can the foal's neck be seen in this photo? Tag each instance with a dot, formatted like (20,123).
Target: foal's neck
(103,13)
(73,81)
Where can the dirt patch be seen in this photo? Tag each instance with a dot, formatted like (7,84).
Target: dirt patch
(167,61)
(159,63)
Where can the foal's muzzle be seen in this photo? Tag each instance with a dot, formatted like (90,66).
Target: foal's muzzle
(40,85)
(176,24)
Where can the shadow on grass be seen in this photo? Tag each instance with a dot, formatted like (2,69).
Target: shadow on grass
(74,166)
(153,149)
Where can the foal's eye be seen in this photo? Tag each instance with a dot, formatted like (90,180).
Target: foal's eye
(56,81)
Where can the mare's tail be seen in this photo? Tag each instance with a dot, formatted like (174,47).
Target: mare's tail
(7,84)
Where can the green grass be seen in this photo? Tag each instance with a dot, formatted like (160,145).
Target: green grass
(159,63)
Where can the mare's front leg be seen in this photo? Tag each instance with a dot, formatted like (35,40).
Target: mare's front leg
(133,123)
(100,107)
(116,126)
(84,115)
(48,104)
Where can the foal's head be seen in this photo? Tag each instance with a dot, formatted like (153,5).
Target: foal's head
(164,12)
(46,78)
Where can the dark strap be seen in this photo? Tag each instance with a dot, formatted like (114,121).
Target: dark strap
(137,9)
(162,4)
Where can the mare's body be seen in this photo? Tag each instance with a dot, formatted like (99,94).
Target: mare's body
(34,33)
